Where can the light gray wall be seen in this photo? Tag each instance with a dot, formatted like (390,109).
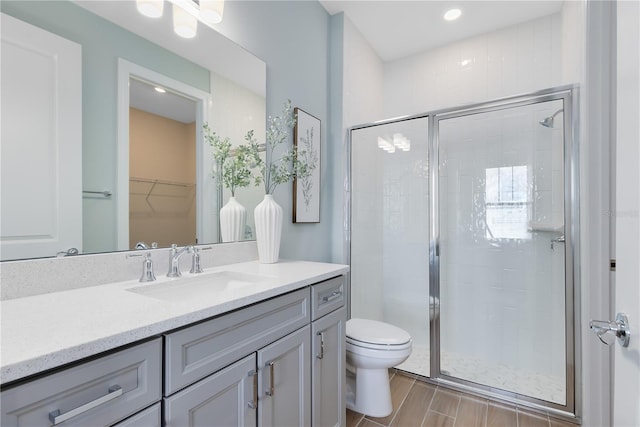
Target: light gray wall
(292,37)
(338,155)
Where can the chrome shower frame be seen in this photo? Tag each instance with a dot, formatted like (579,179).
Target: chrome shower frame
(569,95)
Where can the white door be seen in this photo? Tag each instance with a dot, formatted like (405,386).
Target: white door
(626,386)
(41,142)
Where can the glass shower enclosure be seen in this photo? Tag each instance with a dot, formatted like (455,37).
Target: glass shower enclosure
(463,231)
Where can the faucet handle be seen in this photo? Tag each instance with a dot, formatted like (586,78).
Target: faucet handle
(147,267)
(195,259)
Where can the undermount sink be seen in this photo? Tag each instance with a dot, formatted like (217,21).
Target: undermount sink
(198,287)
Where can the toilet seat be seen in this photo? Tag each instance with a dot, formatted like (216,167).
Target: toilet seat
(383,347)
(377,335)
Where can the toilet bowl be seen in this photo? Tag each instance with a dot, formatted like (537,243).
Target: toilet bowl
(372,348)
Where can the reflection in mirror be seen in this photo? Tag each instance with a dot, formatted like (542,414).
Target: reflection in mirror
(106,31)
(162,166)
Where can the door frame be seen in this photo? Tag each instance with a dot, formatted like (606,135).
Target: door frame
(569,94)
(127,70)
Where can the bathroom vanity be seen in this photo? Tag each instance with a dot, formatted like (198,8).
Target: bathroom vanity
(241,344)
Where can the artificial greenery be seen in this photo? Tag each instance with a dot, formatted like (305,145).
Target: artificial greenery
(235,166)
(232,167)
(275,170)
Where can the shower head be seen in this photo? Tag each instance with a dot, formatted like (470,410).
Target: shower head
(548,121)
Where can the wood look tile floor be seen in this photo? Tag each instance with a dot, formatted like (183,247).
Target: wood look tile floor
(418,404)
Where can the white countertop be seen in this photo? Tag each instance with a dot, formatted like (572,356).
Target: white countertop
(47,331)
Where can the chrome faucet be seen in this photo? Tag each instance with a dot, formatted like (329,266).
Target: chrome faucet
(174,259)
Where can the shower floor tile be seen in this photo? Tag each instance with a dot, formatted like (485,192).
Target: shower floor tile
(495,375)
(426,405)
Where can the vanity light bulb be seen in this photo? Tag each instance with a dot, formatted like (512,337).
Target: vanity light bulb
(150,8)
(211,10)
(184,24)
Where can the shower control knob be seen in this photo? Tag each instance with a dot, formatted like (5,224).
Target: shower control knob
(619,328)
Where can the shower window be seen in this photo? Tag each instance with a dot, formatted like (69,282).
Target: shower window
(507,202)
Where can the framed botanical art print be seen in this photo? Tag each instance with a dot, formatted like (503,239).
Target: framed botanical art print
(306,185)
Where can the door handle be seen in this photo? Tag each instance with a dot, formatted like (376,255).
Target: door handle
(619,328)
(271,390)
(254,403)
(321,354)
(56,417)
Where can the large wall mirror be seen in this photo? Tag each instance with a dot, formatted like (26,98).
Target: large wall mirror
(144,172)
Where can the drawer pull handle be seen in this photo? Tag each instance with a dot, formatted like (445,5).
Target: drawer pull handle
(254,403)
(56,417)
(321,354)
(334,295)
(271,389)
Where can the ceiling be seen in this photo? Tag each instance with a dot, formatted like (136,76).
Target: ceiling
(144,96)
(396,29)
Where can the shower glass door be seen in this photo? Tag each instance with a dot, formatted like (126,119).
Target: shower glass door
(390,230)
(504,321)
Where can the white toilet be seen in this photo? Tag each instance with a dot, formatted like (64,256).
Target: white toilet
(372,348)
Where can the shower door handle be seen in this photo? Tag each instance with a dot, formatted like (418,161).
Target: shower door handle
(560,239)
(619,328)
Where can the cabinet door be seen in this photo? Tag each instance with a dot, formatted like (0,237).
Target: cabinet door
(285,381)
(328,369)
(226,398)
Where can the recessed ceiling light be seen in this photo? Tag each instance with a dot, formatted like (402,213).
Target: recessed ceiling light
(452,14)
(159,89)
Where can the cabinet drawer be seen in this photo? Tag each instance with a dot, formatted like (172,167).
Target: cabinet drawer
(200,350)
(327,296)
(100,392)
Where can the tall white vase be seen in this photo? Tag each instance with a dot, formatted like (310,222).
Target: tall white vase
(233,218)
(268,217)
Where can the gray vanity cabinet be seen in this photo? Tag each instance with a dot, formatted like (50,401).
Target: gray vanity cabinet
(279,362)
(328,353)
(210,367)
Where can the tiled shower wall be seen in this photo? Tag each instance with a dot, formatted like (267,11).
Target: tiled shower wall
(515,60)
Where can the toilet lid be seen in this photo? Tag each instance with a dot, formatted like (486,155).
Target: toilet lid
(374,332)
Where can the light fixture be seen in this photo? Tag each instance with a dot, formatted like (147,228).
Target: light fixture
(211,11)
(159,89)
(186,13)
(184,24)
(452,14)
(150,8)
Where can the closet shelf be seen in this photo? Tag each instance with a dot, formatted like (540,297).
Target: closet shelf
(156,196)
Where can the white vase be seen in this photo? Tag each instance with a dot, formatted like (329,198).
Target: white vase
(268,218)
(233,218)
